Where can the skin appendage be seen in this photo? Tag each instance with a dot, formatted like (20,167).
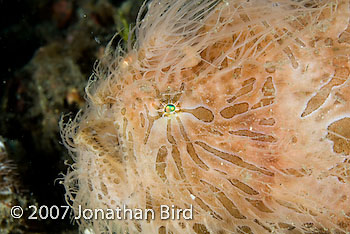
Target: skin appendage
(236,109)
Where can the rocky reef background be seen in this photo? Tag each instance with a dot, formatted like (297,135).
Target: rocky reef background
(48,51)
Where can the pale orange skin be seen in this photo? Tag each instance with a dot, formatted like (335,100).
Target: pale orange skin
(259,141)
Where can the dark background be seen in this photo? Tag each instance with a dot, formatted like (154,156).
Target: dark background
(48,49)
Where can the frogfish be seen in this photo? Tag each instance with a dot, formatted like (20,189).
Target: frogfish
(236,109)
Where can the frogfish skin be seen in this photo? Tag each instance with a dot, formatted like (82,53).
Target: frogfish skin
(239,109)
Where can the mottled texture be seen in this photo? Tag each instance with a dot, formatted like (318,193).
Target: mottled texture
(259,141)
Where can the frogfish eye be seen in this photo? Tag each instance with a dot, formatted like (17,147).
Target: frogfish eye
(169,109)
